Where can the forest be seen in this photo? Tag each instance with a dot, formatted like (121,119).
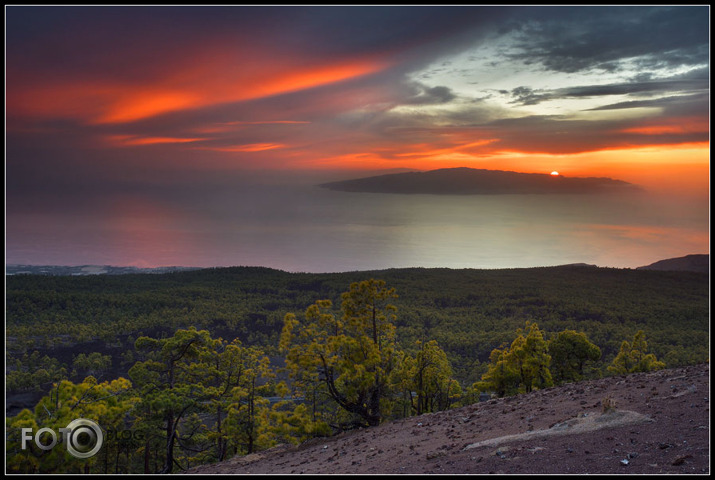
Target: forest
(260,356)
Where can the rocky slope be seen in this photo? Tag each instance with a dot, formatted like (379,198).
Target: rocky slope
(660,425)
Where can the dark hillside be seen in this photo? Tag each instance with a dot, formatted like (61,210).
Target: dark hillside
(688,263)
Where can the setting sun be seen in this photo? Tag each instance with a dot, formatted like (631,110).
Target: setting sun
(554,173)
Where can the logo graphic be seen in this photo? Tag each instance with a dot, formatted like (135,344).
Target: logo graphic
(83,438)
(83,434)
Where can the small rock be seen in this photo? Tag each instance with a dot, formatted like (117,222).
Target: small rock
(436,454)
(681,460)
(625,462)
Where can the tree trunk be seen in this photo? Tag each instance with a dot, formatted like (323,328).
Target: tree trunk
(147,455)
(250,417)
(220,447)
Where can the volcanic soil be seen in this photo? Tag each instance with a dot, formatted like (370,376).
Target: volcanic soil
(660,424)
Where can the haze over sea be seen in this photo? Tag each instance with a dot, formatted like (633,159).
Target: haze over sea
(291,224)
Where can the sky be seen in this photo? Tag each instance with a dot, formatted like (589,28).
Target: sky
(162,103)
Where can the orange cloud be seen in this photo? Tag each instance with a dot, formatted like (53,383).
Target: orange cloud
(76,100)
(251,147)
(208,76)
(230,126)
(136,105)
(676,126)
(655,130)
(132,140)
(268,122)
(442,152)
(215,88)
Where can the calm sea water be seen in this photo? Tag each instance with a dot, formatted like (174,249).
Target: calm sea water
(310,229)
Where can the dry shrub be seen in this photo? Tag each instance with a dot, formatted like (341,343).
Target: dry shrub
(608,405)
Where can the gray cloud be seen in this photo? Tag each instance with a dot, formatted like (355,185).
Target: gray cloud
(586,38)
(672,103)
(641,86)
(423,95)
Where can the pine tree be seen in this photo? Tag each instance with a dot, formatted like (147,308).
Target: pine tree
(522,367)
(352,356)
(570,352)
(633,358)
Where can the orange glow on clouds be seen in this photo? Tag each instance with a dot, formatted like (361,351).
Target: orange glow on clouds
(112,103)
(132,140)
(134,106)
(231,126)
(251,147)
(78,100)
(655,130)
(441,152)
(269,122)
(673,168)
(206,77)
(314,77)
(675,126)
(217,73)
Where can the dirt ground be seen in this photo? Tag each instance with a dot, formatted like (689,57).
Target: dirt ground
(660,425)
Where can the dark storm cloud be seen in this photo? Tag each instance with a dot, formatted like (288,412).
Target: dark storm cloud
(695,104)
(584,38)
(527,96)
(362,28)
(115,38)
(431,95)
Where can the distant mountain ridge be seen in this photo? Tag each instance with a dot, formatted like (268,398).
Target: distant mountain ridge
(471,181)
(690,263)
(693,263)
(86,270)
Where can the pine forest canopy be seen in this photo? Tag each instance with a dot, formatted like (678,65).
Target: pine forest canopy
(193,397)
(469,312)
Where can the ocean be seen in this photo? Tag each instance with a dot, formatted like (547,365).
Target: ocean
(300,227)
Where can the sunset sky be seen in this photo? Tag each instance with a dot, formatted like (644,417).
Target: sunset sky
(162,102)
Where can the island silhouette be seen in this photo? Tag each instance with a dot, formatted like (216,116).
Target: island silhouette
(472,181)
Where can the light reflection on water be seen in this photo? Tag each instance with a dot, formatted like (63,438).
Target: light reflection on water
(306,228)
